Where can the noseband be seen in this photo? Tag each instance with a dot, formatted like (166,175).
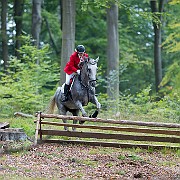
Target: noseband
(92,80)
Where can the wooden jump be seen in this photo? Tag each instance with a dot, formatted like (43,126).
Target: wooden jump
(152,134)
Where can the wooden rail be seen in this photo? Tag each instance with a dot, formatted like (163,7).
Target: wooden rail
(152,134)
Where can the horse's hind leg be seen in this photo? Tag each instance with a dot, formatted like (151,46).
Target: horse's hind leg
(75,113)
(63,111)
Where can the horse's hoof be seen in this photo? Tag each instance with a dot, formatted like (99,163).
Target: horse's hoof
(94,115)
(81,122)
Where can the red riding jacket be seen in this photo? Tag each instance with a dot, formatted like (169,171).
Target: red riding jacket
(72,64)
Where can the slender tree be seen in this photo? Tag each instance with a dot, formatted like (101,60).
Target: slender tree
(51,36)
(113,51)
(4,5)
(18,13)
(68,33)
(157,8)
(36,21)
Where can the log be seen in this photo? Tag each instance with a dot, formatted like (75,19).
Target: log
(12,134)
(23,115)
(127,122)
(4,125)
(98,135)
(108,144)
(114,128)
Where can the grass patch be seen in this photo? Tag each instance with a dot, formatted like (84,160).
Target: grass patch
(134,157)
(121,157)
(27,124)
(89,162)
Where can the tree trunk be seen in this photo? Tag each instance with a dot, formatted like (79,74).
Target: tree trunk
(113,52)
(4,34)
(157,8)
(60,13)
(36,21)
(68,34)
(18,13)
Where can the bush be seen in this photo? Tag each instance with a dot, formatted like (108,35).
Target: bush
(29,83)
(143,107)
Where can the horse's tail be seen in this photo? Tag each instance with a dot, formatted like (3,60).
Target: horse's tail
(51,106)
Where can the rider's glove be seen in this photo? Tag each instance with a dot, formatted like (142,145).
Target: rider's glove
(78,72)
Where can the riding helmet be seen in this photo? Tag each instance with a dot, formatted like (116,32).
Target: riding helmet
(80,48)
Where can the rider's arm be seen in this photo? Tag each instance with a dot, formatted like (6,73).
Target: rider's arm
(71,64)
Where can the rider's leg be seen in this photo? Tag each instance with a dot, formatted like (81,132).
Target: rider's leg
(66,87)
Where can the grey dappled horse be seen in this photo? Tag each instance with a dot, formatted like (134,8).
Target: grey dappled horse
(82,92)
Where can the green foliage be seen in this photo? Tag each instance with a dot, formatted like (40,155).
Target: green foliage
(27,124)
(170,84)
(171,43)
(28,86)
(51,22)
(30,81)
(142,107)
(97,4)
(171,80)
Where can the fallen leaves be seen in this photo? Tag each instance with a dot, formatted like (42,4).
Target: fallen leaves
(84,162)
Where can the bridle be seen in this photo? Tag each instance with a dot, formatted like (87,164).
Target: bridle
(88,74)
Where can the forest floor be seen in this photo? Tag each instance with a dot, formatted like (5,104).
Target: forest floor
(62,161)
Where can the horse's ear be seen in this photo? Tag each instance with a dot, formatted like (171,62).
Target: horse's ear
(97,59)
(86,59)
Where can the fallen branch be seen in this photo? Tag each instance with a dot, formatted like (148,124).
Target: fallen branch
(23,115)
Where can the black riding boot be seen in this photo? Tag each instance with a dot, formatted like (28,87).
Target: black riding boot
(66,91)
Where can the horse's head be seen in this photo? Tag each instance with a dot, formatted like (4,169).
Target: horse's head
(89,71)
(92,70)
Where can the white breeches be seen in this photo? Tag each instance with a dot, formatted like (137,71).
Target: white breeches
(68,77)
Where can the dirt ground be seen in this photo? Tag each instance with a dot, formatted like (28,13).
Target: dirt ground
(57,161)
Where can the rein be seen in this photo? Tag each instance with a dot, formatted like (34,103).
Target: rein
(81,82)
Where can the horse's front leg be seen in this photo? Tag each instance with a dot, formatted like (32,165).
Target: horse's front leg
(93,98)
(80,107)
(95,101)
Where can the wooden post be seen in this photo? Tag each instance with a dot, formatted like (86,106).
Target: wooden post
(40,132)
(37,127)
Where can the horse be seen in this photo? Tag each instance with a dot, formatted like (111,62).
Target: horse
(82,91)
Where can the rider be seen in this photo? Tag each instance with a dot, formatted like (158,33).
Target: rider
(72,67)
